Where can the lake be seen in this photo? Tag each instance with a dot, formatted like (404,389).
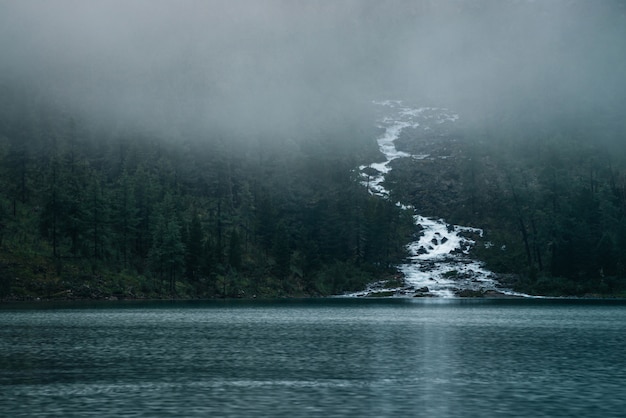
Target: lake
(314,357)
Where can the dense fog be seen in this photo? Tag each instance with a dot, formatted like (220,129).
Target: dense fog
(283,65)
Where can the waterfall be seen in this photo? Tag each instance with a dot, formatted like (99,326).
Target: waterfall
(439,262)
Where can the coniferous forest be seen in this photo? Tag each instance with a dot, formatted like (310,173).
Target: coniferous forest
(551,200)
(87,212)
(212,149)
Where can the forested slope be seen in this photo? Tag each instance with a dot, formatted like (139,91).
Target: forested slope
(93,211)
(551,199)
(90,211)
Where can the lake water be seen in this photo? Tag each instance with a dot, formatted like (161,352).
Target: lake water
(323,357)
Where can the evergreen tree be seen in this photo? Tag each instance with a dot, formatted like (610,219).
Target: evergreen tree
(125,217)
(194,248)
(167,254)
(97,219)
(281,252)
(234,251)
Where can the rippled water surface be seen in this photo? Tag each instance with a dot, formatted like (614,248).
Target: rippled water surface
(331,357)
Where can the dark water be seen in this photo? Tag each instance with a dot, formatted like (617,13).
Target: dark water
(311,358)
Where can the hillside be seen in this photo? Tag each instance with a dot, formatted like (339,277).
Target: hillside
(552,204)
(217,149)
(90,213)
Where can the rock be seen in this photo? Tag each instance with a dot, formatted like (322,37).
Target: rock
(382,294)
(468,293)
(423,295)
(497,294)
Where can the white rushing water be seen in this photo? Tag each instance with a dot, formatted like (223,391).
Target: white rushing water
(439,263)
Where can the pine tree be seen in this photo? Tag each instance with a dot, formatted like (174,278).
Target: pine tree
(167,254)
(97,218)
(234,251)
(125,217)
(194,248)
(281,251)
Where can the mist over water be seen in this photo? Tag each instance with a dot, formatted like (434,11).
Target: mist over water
(279,66)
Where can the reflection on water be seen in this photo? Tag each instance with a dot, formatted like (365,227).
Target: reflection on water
(314,358)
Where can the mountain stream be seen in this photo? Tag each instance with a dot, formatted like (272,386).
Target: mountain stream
(439,262)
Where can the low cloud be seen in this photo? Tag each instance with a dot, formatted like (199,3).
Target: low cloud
(263,65)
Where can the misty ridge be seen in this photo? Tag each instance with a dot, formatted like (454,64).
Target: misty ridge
(204,149)
(269,68)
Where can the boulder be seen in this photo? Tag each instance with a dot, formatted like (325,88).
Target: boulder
(468,293)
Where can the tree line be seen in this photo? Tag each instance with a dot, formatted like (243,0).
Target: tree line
(552,200)
(92,209)
(96,211)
